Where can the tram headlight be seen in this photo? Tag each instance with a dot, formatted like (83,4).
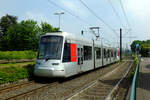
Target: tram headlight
(55,63)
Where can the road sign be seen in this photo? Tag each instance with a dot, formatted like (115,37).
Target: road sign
(137,45)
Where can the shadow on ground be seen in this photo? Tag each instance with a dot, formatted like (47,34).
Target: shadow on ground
(144,80)
(148,66)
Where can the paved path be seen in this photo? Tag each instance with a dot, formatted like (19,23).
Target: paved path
(143,90)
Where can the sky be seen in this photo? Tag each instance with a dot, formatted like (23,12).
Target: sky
(137,13)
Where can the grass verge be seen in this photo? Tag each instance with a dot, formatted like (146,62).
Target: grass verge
(16,64)
(9,55)
(14,73)
(133,68)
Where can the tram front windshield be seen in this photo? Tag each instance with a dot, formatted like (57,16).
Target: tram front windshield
(50,47)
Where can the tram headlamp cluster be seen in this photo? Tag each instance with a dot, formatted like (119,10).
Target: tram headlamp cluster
(55,63)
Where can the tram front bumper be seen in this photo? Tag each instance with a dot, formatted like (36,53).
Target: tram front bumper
(41,72)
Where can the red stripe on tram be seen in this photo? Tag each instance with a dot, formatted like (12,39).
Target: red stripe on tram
(73,52)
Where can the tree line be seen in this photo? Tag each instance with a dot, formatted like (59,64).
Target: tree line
(24,35)
(144,47)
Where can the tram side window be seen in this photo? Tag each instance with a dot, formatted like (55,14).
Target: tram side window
(108,53)
(111,53)
(87,52)
(82,55)
(115,54)
(66,53)
(104,53)
(98,53)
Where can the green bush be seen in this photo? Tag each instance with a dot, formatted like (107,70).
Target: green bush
(133,67)
(11,74)
(9,55)
(135,61)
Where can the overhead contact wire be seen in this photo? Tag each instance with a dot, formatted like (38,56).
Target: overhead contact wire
(77,17)
(99,18)
(124,13)
(115,12)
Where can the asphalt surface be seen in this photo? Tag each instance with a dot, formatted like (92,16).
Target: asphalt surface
(143,90)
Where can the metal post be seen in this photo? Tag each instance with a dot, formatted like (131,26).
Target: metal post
(59,14)
(59,21)
(82,32)
(102,56)
(120,44)
(97,35)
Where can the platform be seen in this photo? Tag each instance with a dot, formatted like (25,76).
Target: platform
(143,90)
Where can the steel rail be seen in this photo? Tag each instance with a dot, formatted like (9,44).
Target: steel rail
(89,85)
(31,91)
(16,86)
(116,87)
(16,61)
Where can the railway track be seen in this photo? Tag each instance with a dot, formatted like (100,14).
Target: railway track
(56,90)
(15,86)
(17,91)
(16,61)
(102,89)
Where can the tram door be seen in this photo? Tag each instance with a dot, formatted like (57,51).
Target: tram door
(79,58)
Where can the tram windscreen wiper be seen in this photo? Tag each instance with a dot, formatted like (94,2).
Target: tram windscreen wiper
(47,58)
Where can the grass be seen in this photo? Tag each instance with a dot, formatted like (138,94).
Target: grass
(15,72)
(134,67)
(16,64)
(10,55)
(11,72)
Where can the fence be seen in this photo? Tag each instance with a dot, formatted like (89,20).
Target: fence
(135,81)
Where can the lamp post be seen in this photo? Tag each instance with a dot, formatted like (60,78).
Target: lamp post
(59,14)
(97,35)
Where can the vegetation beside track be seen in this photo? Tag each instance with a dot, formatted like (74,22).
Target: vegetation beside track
(134,66)
(14,72)
(144,47)
(10,55)
(22,64)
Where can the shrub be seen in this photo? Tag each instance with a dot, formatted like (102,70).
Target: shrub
(133,67)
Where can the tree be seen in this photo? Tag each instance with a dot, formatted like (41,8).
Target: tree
(56,29)
(133,45)
(147,41)
(145,49)
(21,36)
(7,21)
(1,33)
(24,36)
(48,28)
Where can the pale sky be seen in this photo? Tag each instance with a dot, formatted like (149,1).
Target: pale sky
(137,11)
